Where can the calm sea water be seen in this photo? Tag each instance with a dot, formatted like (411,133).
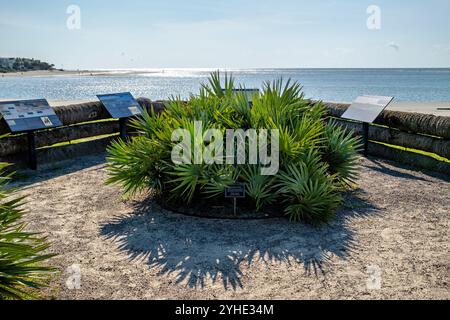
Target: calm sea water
(325,84)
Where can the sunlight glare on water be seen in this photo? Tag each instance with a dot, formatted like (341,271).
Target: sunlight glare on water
(324,84)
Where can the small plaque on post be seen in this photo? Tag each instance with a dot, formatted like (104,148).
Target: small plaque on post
(236,191)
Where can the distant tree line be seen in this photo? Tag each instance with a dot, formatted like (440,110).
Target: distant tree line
(23,64)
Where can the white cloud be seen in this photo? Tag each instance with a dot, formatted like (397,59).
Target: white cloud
(394,46)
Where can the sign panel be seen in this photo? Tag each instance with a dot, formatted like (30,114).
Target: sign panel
(121,105)
(367,108)
(28,115)
(247,91)
(236,191)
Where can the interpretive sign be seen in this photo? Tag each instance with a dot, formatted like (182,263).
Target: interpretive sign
(29,115)
(121,105)
(367,108)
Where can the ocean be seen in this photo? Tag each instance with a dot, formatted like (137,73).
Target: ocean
(343,85)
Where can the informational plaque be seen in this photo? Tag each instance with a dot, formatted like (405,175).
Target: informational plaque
(250,92)
(121,105)
(236,191)
(29,115)
(367,108)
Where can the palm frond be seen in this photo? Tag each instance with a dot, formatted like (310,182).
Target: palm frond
(22,254)
(258,187)
(341,152)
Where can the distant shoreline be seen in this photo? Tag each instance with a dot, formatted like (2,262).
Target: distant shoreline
(83,73)
(415,90)
(125,72)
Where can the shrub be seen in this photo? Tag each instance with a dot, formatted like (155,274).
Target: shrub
(317,158)
(21,253)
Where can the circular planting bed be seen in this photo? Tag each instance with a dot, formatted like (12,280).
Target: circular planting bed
(280,155)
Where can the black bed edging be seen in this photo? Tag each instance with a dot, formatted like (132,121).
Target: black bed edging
(190,213)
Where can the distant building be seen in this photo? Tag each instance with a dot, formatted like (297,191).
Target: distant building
(23,64)
(7,63)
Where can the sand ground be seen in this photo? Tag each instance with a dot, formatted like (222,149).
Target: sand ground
(391,240)
(434,108)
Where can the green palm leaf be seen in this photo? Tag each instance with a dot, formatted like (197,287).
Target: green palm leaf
(22,254)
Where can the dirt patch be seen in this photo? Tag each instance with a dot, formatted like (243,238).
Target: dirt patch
(390,240)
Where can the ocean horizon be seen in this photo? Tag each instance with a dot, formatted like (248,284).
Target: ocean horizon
(327,84)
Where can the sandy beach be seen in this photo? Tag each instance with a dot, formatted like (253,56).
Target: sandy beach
(434,108)
(86,73)
(46,73)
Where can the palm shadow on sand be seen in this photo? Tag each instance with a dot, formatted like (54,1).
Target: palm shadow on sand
(199,250)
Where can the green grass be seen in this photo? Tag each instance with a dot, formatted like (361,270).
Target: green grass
(95,121)
(61,144)
(425,153)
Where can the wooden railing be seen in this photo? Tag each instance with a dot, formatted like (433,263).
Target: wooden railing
(415,139)
(420,140)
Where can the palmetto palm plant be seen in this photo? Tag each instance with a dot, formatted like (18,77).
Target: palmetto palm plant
(318,159)
(21,253)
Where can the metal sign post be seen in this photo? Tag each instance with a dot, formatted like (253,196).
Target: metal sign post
(236,191)
(366,138)
(32,158)
(123,128)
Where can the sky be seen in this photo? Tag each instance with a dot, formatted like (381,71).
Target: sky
(110,34)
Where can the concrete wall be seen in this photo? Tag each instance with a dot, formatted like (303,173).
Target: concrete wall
(426,133)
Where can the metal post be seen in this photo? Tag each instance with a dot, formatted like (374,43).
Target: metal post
(32,161)
(123,128)
(235,206)
(366,138)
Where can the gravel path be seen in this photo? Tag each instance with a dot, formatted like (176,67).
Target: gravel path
(391,240)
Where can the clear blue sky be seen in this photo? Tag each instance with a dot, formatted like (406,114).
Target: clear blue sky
(228,33)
